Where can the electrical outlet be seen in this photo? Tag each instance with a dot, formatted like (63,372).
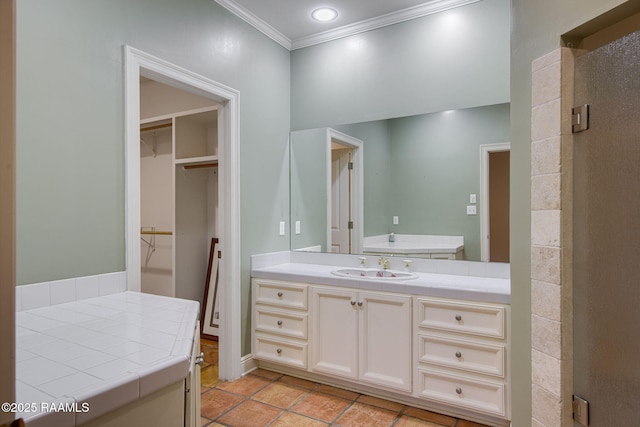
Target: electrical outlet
(471,210)
(472,198)
(395,220)
(297,227)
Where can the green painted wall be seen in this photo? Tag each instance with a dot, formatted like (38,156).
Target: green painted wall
(70,125)
(451,60)
(536,30)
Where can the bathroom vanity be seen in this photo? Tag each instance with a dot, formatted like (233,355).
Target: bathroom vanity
(435,338)
(121,359)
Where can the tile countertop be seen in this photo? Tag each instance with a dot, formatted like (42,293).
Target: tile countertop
(465,287)
(98,354)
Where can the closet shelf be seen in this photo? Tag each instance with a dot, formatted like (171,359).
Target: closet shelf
(197,162)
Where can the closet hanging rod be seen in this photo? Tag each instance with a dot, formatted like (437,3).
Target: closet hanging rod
(202,165)
(162,126)
(158,233)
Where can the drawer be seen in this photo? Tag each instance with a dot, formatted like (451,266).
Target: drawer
(280,294)
(469,318)
(280,351)
(290,324)
(477,395)
(460,354)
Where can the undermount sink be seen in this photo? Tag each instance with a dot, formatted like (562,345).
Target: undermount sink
(373,273)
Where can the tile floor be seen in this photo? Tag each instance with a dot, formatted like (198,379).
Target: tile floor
(265,398)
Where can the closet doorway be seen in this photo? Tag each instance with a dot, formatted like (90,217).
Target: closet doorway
(494,202)
(196,135)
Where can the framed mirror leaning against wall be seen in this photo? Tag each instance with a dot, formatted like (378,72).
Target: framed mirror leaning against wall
(418,174)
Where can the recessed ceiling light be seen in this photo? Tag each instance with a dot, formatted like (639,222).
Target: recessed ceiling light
(324,14)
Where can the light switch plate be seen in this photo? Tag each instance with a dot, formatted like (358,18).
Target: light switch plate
(471,210)
(395,220)
(297,227)
(472,198)
(282,225)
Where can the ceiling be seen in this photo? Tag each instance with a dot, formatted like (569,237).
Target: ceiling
(289,22)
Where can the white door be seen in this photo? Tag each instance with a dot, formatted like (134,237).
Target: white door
(385,340)
(341,201)
(334,332)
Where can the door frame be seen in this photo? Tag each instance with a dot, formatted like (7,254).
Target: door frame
(485,151)
(357,187)
(138,63)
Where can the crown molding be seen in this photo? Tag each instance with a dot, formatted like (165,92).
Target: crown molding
(260,25)
(429,8)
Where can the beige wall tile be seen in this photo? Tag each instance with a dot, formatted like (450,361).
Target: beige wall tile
(546,120)
(545,192)
(546,84)
(545,300)
(546,336)
(545,407)
(546,60)
(546,156)
(546,372)
(545,228)
(546,264)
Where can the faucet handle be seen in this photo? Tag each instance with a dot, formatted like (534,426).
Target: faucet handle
(407,262)
(362,259)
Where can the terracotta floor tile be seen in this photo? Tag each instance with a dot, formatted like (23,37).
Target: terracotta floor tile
(465,423)
(214,403)
(250,414)
(381,403)
(270,375)
(359,415)
(430,416)
(339,392)
(298,382)
(209,376)
(245,386)
(295,420)
(405,421)
(321,406)
(204,421)
(280,395)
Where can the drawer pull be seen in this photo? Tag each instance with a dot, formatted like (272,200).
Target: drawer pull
(279,322)
(459,390)
(359,303)
(353,302)
(279,351)
(458,317)
(458,354)
(280,294)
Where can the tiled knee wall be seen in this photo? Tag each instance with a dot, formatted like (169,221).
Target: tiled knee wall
(551,239)
(60,291)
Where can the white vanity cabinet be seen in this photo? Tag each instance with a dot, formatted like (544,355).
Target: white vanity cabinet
(363,336)
(280,322)
(461,353)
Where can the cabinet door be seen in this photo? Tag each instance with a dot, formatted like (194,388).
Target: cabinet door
(385,340)
(334,332)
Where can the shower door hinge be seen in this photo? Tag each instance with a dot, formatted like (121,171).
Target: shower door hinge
(350,225)
(580,118)
(350,165)
(580,410)
(219,254)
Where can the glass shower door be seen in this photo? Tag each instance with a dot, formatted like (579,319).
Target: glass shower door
(607,234)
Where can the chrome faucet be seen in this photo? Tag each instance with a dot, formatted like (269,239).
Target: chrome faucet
(383,262)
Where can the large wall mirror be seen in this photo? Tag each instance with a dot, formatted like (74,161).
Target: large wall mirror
(421,176)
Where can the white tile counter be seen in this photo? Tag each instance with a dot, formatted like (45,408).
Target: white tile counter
(100,353)
(475,281)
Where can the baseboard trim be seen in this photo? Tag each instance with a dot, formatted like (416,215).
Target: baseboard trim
(248,364)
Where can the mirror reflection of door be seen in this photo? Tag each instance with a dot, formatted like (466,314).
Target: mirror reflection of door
(340,199)
(499,206)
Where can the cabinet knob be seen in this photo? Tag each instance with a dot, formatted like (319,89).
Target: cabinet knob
(359,303)
(459,390)
(199,359)
(279,351)
(353,302)
(280,294)
(458,317)
(279,322)
(458,354)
